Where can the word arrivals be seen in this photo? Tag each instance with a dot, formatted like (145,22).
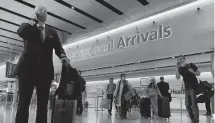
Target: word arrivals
(162,32)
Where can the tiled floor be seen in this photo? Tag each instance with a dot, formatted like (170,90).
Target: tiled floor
(91,116)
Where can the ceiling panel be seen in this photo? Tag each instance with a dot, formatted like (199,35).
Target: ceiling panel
(62,25)
(11,17)
(15,6)
(9,34)
(27,11)
(65,12)
(5,52)
(9,51)
(11,41)
(11,47)
(161,4)
(125,5)
(94,8)
(8,26)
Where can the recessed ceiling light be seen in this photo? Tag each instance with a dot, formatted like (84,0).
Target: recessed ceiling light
(72,7)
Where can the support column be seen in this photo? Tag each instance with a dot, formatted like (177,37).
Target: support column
(212,72)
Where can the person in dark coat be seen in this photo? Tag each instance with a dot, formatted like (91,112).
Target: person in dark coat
(164,88)
(35,66)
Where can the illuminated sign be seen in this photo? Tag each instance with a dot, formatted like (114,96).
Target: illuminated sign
(10,70)
(175,91)
(123,42)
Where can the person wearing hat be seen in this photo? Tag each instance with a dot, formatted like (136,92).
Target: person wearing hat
(164,88)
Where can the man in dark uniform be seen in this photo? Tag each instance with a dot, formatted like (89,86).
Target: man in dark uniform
(35,66)
(164,88)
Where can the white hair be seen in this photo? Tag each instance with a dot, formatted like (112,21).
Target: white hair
(40,8)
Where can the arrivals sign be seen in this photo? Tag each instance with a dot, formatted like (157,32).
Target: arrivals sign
(123,42)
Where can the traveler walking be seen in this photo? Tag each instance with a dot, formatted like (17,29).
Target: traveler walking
(109,93)
(189,71)
(35,66)
(153,93)
(122,88)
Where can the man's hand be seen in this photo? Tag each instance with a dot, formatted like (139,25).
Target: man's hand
(65,60)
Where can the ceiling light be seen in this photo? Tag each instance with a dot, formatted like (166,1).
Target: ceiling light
(73,7)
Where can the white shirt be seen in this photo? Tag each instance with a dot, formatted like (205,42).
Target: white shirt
(44,34)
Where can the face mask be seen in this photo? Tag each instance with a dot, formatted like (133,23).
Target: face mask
(42,16)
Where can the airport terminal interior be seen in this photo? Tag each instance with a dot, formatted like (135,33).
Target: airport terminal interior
(140,43)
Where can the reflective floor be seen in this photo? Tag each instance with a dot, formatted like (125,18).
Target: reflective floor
(91,116)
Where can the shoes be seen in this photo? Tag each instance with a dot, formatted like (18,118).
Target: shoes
(123,117)
(208,114)
(195,121)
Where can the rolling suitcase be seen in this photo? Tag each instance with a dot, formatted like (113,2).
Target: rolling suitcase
(145,110)
(64,111)
(163,107)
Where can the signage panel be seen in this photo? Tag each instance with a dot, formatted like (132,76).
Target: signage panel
(10,70)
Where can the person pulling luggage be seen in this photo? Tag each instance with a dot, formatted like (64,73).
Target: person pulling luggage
(109,93)
(35,66)
(134,99)
(153,93)
(122,88)
(164,88)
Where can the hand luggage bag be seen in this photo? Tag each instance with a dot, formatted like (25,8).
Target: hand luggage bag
(105,103)
(64,111)
(163,107)
(145,109)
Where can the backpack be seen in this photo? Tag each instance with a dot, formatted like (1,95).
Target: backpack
(70,85)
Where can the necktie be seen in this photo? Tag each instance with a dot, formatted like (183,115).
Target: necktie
(41,28)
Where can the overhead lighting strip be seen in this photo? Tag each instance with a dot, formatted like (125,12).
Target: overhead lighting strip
(167,58)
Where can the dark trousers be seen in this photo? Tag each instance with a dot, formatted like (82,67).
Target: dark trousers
(26,87)
(79,106)
(208,106)
(191,104)
(110,96)
(124,109)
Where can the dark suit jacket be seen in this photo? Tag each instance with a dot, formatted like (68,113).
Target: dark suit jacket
(163,87)
(37,56)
